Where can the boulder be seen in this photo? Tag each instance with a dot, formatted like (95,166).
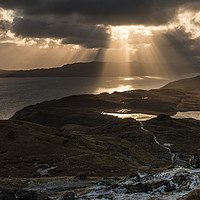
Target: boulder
(139,187)
(134,177)
(150,187)
(194,161)
(81,177)
(69,196)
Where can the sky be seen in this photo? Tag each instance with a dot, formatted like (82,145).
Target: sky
(48,33)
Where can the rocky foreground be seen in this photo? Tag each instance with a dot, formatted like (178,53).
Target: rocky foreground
(173,184)
(71,137)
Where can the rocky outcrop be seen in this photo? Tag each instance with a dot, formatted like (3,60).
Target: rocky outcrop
(81,177)
(69,196)
(6,194)
(135,177)
(194,161)
(164,185)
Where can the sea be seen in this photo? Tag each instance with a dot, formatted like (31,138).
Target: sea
(17,93)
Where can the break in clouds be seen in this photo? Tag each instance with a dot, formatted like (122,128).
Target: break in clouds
(88,22)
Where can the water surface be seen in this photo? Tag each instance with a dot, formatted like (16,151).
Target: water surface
(16,93)
(189,114)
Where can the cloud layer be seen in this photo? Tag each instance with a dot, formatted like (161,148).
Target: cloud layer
(87,22)
(89,36)
(112,12)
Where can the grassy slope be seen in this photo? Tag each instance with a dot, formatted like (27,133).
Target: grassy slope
(185,84)
(184,134)
(114,149)
(25,147)
(107,146)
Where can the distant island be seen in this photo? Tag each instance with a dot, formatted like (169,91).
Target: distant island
(99,69)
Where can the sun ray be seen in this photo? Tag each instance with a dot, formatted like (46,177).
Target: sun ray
(143,44)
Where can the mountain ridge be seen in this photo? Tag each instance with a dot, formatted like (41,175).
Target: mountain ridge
(97,69)
(185,84)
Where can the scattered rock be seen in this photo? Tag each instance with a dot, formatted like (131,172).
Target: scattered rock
(116,179)
(139,187)
(134,176)
(106,196)
(194,161)
(111,148)
(81,177)
(180,178)
(69,196)
(123,136)
(6,194)
(73,137)
(149,187)
(181,156)
(168,187)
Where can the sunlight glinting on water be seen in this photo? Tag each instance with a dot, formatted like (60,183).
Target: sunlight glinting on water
(136,116)
(144,117)
(132,78)
(189,114)
(156,77)
(120,88)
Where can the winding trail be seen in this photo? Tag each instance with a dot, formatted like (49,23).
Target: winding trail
(173,155)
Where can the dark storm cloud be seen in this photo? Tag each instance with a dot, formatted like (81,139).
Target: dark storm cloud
(169,41)
(85,42)
(4,25)
(90,36)
(183,42)
(91,40)
(74,21)
(194,6)
(112,12)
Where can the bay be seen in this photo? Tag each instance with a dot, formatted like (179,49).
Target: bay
(17,93)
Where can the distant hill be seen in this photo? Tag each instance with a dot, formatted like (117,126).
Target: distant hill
(185,84)
(96,69)
(91,69)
